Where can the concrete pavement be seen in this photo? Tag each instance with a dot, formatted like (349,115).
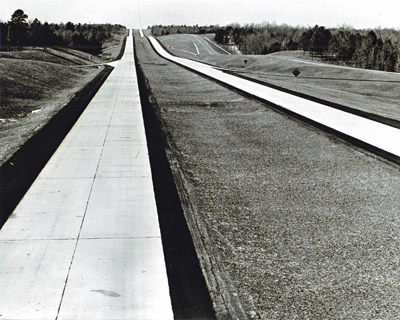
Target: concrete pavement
(377,137)
(84,242)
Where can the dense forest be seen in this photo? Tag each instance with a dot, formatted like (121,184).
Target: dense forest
(377,49)
(370,49)
(18,34)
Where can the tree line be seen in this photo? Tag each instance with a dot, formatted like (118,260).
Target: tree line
(160,30)
(370,49)
(260,39)
(377,49)
(18,33)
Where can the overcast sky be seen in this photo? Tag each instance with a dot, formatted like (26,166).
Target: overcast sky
(134,13)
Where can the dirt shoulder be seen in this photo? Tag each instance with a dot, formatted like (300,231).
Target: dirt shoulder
(303,224)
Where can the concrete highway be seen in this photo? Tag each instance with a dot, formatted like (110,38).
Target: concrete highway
(373,136)
(84,242)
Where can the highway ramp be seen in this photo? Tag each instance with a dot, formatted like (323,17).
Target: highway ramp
(84,242)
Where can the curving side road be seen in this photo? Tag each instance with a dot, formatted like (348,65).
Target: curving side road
(373,136)
(204,44)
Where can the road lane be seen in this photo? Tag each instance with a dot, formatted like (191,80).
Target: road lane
(219,48)
(205,45)
(379,136)
(84,242)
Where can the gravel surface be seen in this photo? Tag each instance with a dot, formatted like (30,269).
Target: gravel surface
(306,225)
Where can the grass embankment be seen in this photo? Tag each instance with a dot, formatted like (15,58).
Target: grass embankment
(367,90)
(32,92)
(43,94)
(28,85)
(114,46)
(36,84)
(37,55)
(304,224)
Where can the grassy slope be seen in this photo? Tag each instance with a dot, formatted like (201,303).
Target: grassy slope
(114,46)
(305,225)
(28,85)
(380,94)
(74,57)
(44,80)
(31,84)
(36,55)
(183,45)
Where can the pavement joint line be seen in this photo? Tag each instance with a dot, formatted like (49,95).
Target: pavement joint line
(120,238)
(87,205)
(81,238)
(38,239)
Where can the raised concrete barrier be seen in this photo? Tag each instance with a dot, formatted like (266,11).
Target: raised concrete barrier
(84,242)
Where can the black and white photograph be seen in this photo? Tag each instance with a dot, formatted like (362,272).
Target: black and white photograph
(209,159)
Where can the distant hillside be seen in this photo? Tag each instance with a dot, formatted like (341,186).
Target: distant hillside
(367,90)
(377,49)
(367,49)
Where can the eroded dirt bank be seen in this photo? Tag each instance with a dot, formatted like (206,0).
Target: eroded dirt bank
(303,224)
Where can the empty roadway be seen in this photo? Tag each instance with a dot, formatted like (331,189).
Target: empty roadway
(372,135)
(84,242)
